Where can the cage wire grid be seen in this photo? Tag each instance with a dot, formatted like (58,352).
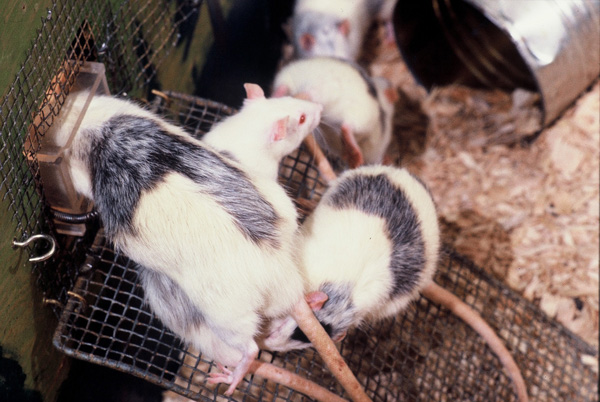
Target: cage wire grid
(423,354)
(131,38)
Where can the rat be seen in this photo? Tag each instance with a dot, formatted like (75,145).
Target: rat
(370,248)
(357,109)
(197,217)
(329,28)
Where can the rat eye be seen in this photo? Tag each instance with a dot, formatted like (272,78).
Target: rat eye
(302,118)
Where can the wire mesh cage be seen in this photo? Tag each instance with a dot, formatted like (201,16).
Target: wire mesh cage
(131,39)
(425,353)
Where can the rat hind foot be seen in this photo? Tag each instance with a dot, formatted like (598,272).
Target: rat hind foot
(233,378)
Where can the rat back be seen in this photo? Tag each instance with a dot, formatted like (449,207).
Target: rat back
(376,227)
(371,245)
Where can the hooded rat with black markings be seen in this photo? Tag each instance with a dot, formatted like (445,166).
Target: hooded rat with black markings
(212,230)
(357,109)
(369,248)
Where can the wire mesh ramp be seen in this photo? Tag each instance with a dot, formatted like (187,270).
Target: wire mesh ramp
(425,353)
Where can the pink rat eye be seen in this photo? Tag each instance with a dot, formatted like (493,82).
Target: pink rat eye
(302,118)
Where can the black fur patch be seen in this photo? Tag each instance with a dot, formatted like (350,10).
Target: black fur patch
(300,336)
(377,196)
(133,154)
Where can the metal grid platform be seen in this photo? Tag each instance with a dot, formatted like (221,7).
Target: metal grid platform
(424,354)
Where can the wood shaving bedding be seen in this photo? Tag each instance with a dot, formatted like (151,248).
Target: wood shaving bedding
(528,213)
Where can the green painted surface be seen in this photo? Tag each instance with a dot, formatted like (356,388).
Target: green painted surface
(19,21)
(176,72)
(34,369)
(26,326)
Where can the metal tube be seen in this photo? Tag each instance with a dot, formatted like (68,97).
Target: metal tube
(548,46)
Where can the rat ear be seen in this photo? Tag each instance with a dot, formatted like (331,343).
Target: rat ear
(253,91)
(280,91)
(344,27)
(316,300)
(279,129)
(340,337)
(307,41)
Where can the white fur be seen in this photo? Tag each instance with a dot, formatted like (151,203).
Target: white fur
(228,277)
(344,94)
(100,109)
(361,258)
(247,137)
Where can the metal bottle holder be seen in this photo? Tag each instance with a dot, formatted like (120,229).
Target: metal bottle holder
(425,353)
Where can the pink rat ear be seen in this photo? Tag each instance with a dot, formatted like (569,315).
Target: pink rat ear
(316,300)
(254,91)
(279,129)
(344,27)
(307,41)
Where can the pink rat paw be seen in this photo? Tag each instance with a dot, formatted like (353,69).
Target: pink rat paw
(224,375)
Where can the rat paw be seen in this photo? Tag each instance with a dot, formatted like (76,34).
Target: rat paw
(224,375)
(217,378)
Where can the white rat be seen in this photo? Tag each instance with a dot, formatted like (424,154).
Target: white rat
(369,248)
(212,232)
(333,28)
(357,109)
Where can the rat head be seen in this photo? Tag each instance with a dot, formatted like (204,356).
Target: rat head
(332,305)
(318,34)
(286,121)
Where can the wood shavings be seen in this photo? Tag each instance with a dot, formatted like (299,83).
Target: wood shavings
(527,213)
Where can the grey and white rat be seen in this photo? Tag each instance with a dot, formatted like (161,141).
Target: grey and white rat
(366,251)
(357,109)
(369,248)
(213,229)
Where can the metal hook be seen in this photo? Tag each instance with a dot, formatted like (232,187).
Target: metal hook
(54,302)
(161,94)
(79,297)
(33,238)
